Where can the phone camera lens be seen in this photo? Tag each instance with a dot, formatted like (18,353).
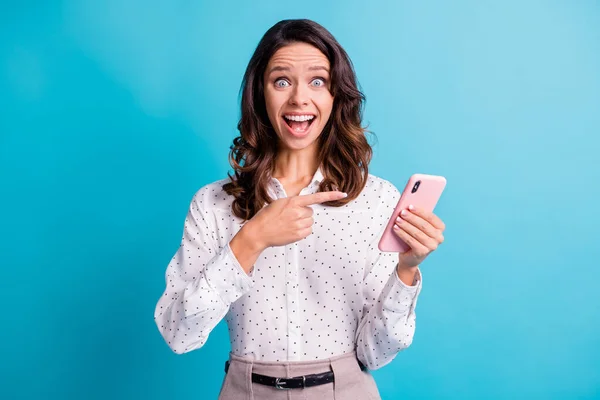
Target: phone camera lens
(416,187)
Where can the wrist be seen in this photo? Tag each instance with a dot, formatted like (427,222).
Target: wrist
(406,273)
(250,239)
(404,267)
(245,249)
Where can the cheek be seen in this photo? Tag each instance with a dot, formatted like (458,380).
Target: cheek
(325,104)
(271,105)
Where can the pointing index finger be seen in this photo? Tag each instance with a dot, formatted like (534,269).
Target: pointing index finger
(317,198)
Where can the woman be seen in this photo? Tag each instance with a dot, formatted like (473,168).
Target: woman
(286,251)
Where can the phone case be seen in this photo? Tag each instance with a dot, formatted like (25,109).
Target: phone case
(426,197)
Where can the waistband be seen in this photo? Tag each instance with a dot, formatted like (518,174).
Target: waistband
(295,368)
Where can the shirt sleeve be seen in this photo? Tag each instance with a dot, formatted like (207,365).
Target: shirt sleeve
(387,325)
(202,280)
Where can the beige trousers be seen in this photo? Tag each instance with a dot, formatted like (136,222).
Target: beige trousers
(350,382)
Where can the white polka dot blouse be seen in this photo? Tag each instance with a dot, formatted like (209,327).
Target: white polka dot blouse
(328,294)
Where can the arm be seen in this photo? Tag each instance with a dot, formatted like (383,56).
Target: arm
(390,293)
(387,325)
(201,283)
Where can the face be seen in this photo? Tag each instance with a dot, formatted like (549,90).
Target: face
(297,97)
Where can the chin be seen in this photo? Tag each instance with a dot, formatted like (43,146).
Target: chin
(298,143)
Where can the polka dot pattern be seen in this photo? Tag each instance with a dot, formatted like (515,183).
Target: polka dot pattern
(328,294)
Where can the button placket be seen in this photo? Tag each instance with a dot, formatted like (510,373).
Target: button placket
(293,303)
(293,296)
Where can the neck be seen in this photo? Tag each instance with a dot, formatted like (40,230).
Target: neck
(295,166)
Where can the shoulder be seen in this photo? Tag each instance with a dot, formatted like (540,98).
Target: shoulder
(212,196)
(379,192)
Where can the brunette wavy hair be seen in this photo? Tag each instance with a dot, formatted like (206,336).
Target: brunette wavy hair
(344,152)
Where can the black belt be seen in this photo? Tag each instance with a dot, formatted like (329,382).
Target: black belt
(297,382)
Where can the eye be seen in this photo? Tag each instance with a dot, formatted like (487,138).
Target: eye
(318,82)
(280,83)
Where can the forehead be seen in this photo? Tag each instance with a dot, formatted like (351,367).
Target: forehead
(299,56)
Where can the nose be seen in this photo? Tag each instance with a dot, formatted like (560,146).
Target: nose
(299,96)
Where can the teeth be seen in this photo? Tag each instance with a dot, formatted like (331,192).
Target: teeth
(299,118)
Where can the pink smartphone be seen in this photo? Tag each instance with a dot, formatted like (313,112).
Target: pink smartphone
(423,191)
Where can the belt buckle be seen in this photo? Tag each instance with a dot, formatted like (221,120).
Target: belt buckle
(278,384)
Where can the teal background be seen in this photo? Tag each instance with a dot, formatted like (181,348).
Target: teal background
(114,113)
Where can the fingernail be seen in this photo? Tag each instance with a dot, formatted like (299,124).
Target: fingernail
(411,207)
(403,213)
(398,220)
(344,194)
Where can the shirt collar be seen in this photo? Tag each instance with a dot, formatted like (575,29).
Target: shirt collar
(318,176)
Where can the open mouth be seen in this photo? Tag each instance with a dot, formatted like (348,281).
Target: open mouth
(299,124)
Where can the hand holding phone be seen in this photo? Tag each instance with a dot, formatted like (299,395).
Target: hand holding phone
(423,191)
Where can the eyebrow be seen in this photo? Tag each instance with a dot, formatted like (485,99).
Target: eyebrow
(313,68)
